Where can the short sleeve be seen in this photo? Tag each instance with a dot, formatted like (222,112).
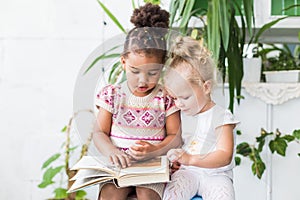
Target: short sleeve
(224,117)
(105,98)
(170,105)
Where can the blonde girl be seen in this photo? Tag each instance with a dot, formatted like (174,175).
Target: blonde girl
(206,159)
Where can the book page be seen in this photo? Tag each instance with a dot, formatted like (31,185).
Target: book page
(155,165)
(90,173)
(92,162)
(82,183)
(150,171)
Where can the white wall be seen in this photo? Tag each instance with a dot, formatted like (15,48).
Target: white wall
(43,45)
(285,173)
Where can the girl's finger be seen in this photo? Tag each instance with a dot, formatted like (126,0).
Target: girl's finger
(115,160)
(122,160)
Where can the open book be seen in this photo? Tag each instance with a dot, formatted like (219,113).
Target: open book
(91,171)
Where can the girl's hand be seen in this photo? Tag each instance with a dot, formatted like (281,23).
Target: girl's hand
(175,166)
(142,150)
(120,159)
(178,155)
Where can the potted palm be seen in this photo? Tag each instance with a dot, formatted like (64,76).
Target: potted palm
(281,67)
(221,33)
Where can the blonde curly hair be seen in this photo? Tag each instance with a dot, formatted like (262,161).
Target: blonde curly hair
(192,59)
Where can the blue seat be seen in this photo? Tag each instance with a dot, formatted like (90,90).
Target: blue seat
(197,198)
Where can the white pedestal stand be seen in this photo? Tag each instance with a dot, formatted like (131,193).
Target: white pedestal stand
(272,94)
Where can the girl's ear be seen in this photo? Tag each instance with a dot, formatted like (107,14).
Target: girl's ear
(207,86)
(123,62)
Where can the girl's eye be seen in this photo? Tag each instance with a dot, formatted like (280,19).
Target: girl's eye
(152,73)
(185,98)
(134,72)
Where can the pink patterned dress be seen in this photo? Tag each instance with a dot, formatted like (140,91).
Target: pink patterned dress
(135,118)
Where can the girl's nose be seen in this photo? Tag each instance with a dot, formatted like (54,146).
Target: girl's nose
(143,78)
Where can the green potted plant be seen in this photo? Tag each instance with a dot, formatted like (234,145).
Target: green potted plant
(56,169)
(253,63)
(276,142)
(281,67)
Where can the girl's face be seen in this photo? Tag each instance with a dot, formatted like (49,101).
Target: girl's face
(142,72)
(190,98)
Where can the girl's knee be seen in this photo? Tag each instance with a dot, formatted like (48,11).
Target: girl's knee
(111,192)
(217,187)
(146,193)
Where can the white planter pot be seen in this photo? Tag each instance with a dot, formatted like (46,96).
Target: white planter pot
(290,76)
(252,70)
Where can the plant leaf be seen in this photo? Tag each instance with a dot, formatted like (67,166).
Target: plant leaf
(174,7)
(261,145)
(224,22)
(296,133)
(72,148)
(64,129)
(239,132)
(101,57)
(244,149)
(60,193)
(51,172)
(45,183)
(258,168)
(237,160)
(266,27)
(80,194)
(50,160)
(213,25)
(48,176)
(278,145)
(248,8)
(288,138)
(111,16)
(186,16)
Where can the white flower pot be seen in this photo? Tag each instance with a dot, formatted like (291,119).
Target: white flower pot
(290,76)
(252,70)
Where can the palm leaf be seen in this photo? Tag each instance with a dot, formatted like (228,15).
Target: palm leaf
(103,56)
(266,27)
(224,23)
(186,15)
(248,8)
(111,16)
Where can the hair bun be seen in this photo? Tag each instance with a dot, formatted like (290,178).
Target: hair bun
(178,49)
(189,48)
(150,15)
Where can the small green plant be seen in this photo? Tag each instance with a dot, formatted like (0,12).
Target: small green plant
(285,60)
(277,143)
(56,168)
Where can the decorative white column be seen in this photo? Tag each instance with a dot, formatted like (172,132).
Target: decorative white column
(272,94)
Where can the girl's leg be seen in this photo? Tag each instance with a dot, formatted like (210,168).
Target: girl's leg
(216,188)
(183,185)
(146,194)
(110,192)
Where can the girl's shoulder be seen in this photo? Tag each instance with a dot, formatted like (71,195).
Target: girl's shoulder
(110,89)
(224,115)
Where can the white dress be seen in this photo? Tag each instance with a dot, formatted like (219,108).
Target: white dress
(212,183)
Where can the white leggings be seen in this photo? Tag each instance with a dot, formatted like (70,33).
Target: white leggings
(187,183)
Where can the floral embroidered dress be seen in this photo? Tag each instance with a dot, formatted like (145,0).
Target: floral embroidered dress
(135,118)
